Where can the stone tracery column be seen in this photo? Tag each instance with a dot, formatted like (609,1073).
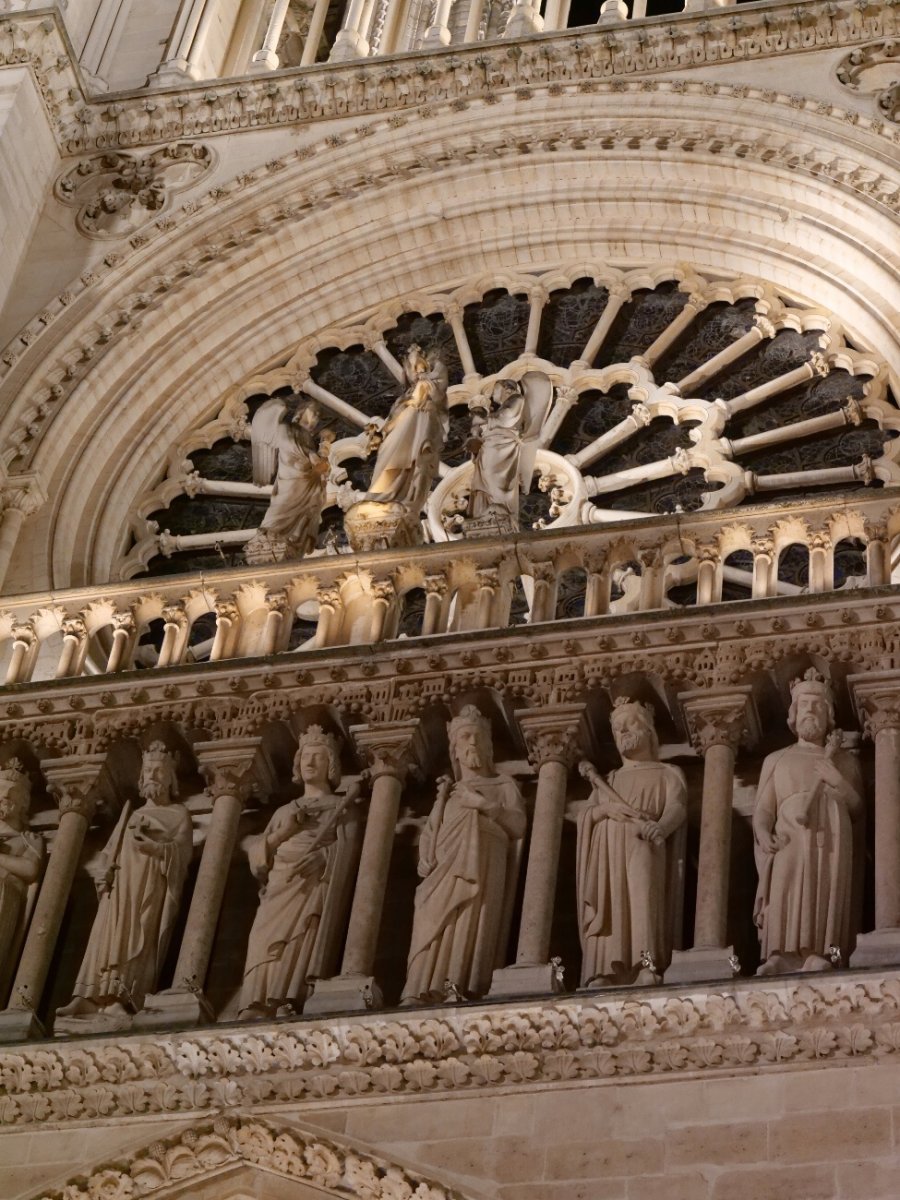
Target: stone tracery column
(878,698)
(436,589)
(123,631)
(717,723)
(266,57)
(391,749)
(350,42)
(74,782)
(74,637)
(227,767)
(21,497)
(552,737)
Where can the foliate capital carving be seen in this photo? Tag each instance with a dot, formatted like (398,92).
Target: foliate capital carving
(696,302)
(174,614)
(22,493)
(227,766)
(74,784)
(392,748)
(74,627)
(383,589)
(764,325)
(719,720)
(552,735)
(436,585)
(227,610)
(328,597)
(123,621)
(488,577)
(277,601)
(819,363)
(24,635)
(566,395)
(641,415)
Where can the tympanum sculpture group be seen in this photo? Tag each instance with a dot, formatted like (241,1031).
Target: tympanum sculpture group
(627,883)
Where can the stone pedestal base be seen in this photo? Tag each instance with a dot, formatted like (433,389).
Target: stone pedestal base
(343,994)
(174,1009)
(173,74)
(436,37)
(702,964)
(348,45)
(93,1023)
(373,525)
(527,979)
(20,1025)
(881,948)
(263,548)
(523,20)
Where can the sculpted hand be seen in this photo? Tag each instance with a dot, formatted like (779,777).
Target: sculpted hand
(828,773)
(769,843)
(651,832)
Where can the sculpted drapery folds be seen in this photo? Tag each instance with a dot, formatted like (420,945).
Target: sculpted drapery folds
(630,856)
(503,447)
(21,857)
(412,437)
(139,882)
(809,796)
(468,859)
(285,449)
(303,861)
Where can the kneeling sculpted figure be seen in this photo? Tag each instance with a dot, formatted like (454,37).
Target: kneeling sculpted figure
(468,860)
(21,858)
(303,862)
(630,857)
(808,798)
(142,874)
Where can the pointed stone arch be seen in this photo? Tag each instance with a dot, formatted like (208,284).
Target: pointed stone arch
(232,1157)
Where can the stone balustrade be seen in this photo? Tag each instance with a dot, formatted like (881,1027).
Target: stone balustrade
(668,563)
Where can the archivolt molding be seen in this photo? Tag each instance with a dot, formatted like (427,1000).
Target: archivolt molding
(621,1039)
(206,1150)
(136,281)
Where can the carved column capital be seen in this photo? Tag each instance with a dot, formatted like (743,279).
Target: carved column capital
(719,718)
(75,783)
(74,627)
(24,493)
(391,748)
(383,589)
(552,734)
(276,601)
(435,585)
(174,614)
(228,766)
(123,621)
(877,701)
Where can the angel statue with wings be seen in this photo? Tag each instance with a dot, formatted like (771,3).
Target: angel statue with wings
(284,449)
(503,446)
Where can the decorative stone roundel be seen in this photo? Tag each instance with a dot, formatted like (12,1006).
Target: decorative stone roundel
(672,392)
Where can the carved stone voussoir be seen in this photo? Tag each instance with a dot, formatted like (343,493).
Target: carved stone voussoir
(738,1027)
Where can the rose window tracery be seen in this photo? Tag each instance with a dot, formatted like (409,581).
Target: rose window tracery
(670,392)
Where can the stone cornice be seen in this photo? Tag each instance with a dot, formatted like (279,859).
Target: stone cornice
(659,44)
(621,1037)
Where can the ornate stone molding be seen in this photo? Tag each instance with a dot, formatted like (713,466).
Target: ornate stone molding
(117,193)
(809,156)
(738,1027)
(557,662)
(201,1152)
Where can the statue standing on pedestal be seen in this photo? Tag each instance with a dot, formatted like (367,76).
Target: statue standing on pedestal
(21,858)
(808,798)
(141,877)
(469,860)
(630,858)
(285,449)
(303,860)
(503,447)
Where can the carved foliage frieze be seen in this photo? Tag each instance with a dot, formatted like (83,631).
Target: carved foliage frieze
(743,1027)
